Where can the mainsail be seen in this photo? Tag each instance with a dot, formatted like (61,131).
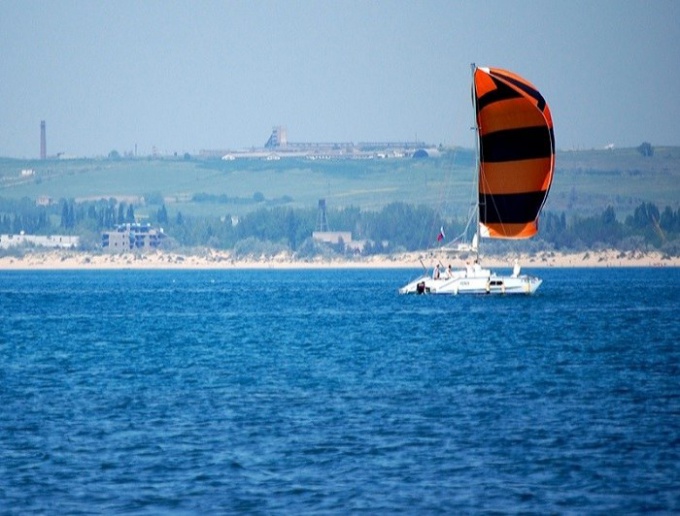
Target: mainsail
(516,153)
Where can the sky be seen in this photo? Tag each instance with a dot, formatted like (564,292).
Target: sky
(181,76)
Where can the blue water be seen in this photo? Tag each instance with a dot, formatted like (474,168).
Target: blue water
(270,392)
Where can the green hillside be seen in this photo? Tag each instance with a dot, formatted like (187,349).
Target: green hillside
(586,182)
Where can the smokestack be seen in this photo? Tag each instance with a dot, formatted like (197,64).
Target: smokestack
(43,141)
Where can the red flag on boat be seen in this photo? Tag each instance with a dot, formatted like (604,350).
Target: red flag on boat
(441,234)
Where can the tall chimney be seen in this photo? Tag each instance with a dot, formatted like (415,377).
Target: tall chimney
(43,141)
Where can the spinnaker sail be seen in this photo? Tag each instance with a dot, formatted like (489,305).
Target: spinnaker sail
(516,153)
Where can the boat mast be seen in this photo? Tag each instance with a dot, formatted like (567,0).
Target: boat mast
(475,127)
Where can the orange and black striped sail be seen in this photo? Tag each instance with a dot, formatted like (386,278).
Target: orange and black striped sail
(516,153)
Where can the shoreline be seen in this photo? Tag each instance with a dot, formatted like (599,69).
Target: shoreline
(210,259)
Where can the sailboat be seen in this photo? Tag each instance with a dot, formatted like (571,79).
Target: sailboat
(515,147)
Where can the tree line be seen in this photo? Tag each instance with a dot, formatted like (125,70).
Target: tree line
(397,227)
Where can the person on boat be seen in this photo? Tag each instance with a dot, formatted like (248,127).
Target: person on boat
(476,267)
(516,269)
(435,274)
(449,272)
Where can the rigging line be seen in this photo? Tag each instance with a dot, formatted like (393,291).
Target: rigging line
(445,193)
(493,204)
(424,235)
(448,194)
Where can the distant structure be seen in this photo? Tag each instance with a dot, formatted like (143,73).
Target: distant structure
(52,241)
(322,234)
(127,237)
(321,220)
(278,146)
(43,140)
(278,138)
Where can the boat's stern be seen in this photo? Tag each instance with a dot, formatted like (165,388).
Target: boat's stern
(417,286)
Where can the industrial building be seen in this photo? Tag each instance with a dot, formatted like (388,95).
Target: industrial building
(278,146)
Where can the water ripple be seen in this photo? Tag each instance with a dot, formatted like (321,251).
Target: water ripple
(325,392)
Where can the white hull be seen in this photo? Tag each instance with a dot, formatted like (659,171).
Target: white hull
(479,281)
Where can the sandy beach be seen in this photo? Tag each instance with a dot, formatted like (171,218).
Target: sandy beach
(211,259)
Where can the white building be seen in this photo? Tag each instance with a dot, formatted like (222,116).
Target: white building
(335,237)
(51,241)
(127,237)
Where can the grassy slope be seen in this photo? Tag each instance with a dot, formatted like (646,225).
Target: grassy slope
(585,181)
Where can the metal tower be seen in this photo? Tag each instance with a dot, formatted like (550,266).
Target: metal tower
(321,221)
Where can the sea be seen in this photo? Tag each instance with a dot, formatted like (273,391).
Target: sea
(326,392)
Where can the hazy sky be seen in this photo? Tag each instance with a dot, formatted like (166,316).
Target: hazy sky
(189,75)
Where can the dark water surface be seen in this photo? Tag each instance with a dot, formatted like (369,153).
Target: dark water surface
(326,392)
